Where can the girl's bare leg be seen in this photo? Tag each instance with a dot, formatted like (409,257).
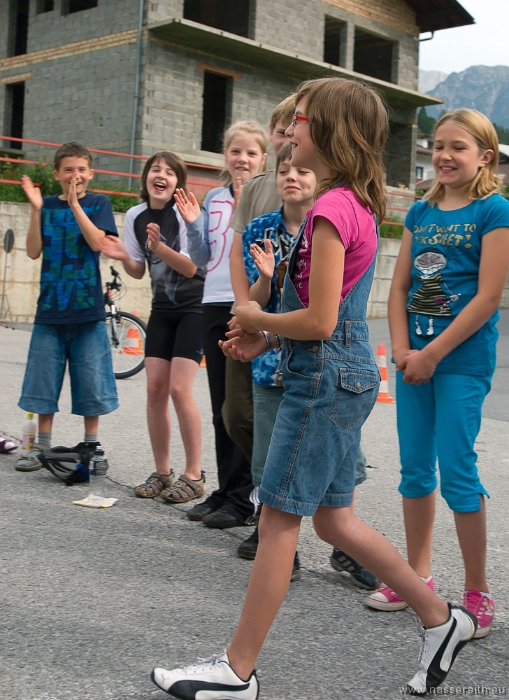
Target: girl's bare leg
(340,528)
(471,529)
(270,578)
(419,516)
(158,411)
(183,372)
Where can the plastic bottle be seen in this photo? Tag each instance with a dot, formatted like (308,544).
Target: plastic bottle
(97,469)
(29,430)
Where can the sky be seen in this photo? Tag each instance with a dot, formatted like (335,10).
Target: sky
(484,43)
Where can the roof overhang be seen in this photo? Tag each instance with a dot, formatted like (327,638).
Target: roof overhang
(432,15)
(277,62)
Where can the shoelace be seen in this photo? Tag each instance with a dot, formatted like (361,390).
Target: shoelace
(422,634)
(204,664)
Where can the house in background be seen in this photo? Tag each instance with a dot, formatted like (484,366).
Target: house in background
(503,162)
(423,166)
(140,75)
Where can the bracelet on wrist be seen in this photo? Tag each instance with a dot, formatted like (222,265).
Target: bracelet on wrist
(267,340)
(279,343)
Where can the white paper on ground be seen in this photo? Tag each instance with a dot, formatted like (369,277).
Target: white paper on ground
(96,502)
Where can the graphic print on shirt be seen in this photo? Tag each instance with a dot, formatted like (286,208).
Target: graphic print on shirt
(433,297)
(162,275)
(219,226)
(69,269)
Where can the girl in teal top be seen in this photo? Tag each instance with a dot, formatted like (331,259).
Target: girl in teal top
(443,309)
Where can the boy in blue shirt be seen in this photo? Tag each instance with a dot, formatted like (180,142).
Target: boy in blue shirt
(70,230)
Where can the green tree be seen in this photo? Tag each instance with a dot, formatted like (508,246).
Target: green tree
(425,123)
(503,134)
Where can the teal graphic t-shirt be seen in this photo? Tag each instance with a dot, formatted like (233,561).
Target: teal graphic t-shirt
(446,254)
(71,290)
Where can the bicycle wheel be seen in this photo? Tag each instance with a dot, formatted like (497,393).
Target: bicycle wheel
(127,336)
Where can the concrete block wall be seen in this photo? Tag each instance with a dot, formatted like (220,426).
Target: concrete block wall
(172,98)
(299,27)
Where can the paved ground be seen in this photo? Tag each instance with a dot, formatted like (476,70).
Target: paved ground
(93,599)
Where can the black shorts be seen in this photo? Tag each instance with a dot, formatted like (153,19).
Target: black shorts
(171,334)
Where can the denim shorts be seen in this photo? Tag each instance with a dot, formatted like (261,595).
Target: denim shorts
(86,347)
(316,439)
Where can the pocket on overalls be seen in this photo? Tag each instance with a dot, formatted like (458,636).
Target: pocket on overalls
(356,394)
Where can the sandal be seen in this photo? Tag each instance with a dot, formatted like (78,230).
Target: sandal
(184,489)
(156,482)
(7,445)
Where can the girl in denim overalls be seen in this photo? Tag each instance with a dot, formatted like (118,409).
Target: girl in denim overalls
(331,383)
(443,310)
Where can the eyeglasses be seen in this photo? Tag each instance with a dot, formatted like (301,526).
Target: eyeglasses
(298,118)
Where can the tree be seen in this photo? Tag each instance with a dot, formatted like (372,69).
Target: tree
(425,123)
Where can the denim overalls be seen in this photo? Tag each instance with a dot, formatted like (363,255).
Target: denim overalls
(330,388)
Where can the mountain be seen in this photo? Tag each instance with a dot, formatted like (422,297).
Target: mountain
(429,79)
(485,88)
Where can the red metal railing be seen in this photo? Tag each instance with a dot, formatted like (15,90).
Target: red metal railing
(197,183)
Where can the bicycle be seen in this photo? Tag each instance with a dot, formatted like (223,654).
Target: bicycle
(127,332)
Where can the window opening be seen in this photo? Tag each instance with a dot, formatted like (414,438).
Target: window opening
(71,6)
(216,102)
(419,172)
(18,27)
(229,15)
(45,6)
(332,40)
(15,105)
(373,55)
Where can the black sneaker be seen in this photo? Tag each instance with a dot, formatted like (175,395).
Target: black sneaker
(248,548)
(439,647)
(221,520)
(211,678)
(340,561)
(199,511)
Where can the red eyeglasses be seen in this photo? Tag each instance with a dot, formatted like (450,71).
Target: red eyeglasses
(298,118)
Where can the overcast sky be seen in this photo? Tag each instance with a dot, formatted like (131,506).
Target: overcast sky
(484,43)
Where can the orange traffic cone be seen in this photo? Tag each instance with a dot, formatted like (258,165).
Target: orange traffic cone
(381,361)
(133,344)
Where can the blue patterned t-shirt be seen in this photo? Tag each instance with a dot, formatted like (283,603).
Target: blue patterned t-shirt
(70,289)
(273,227)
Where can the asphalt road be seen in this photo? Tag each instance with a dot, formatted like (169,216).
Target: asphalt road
(92,600)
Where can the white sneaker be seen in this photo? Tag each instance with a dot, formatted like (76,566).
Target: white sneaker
(29,461)
(209,679)
(439,647)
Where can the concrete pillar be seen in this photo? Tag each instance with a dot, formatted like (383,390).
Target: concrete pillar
(347,45)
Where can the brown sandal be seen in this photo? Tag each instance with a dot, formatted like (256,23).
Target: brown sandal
(184,489)
(156,482)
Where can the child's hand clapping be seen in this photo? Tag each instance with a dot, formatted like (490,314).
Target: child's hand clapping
(264,260)
(32,192)
(72,197)
(188,206)
(247,315)
(154,237)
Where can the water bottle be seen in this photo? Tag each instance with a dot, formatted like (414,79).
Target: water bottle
(97,469)
(28,431)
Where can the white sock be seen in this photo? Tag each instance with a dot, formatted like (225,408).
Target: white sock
(427,580)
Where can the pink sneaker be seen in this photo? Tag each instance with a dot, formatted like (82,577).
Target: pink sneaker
(387,599)
(483,608)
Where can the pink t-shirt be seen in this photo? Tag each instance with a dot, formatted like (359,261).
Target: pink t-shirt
(355,224)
